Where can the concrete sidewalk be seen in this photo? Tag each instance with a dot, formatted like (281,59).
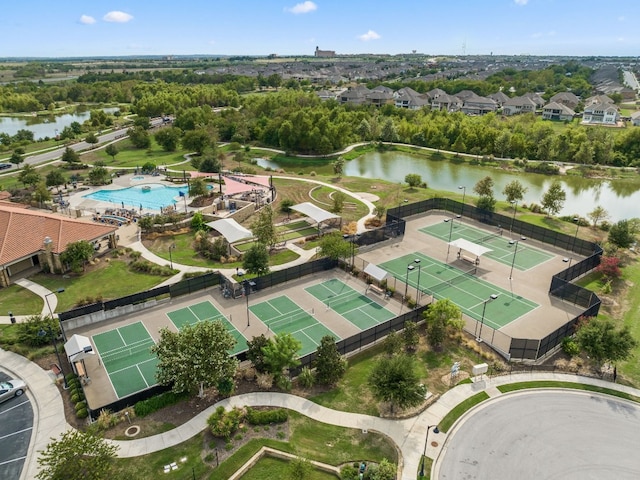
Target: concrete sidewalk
(45,294)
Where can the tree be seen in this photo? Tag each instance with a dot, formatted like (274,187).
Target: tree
(285,206)
(298,468)
(41,194)
(410,336)
(169,138)
(139,137)
(255,354)
(622,234)
(600,339)
(338,166)
(92,139)
(609,267)
(597,214)
(256,260)
(196,357)
(70,156)
(76,254)
(112,150)
(514,191)
(338,201)
(330,365)
(484,187)
(196,141)
(486,203)
(553,199)
(16,158)
(385,470)
(197,187)
(264,229)
(75,456)
(281,354)
(29,176)
(210,161)
(413,179)
(98,175)
(379,211)
(395,380)
(392,343)
(55,178)
(334,246)
(442,315)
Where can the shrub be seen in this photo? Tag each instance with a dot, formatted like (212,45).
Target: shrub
(145,407)
(223,423)
(570,346)
(307,378)
(80,405)
(264,380)
(37,330)
(266,417)
(83,413)
(284,383)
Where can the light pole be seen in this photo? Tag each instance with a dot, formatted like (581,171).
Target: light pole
(573,246)
(247,290)
(418,292)
(464,192)
(171,247)
(514,257)
(493,296)
(410,268)
(515,206)
(50,331)
(424,452)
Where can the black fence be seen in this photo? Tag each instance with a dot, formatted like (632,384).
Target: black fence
(292,273)
(561,286)
(128,401)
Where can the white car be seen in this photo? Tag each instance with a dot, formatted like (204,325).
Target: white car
(11,388)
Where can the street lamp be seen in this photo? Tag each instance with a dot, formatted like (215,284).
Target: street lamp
(573,246)
(49,332)
(484,307)
(515,206)
(464,192)
(426,439)
(410,268)
(247,291)
(171,247)
(418,292)
(352,238)
(514,256)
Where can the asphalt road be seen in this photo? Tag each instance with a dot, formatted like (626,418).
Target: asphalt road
(16,424)
(545,435)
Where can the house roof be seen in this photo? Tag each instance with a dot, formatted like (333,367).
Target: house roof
(519,102)
(22,232)
(499,97)
(558,106)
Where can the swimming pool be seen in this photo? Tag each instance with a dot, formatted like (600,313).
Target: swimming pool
(133,197)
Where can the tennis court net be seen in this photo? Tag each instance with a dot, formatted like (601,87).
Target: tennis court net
(289,318)
(486,238)
(127,351)
(452,281)
(333,302)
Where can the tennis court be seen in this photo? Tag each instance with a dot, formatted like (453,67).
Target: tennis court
(462,287)
(356,307)
(206,312)
(525,258)
(126,355)
(281,314)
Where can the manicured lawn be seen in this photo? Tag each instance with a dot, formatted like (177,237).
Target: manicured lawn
(457,411)
(106,282)
(19,301)
(128,156)
(631,274)
(513,387)
(269,467)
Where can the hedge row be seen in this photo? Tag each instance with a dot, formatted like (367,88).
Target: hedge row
(146,407)
(266,417)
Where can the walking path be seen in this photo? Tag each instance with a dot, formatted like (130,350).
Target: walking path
(408,434)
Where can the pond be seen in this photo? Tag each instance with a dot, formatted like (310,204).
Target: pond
(620,198)
(46,126)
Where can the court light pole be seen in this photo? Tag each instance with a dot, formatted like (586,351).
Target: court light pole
(514,256)
(515,206)
(247,290)
(464,192)
(171,247)
(493,296)
(426,440)
(575,236)
(410,268)
(50,331)
(418,292)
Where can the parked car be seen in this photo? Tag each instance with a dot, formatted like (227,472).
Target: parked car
(4,166)
(11,388)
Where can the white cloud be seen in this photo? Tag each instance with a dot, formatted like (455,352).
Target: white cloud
(520,2)
(370,35)
(304,7)
(117,17)
(87,20)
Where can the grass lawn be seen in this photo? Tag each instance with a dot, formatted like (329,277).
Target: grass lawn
(457,411)
(106,281)
(269,467)
(512,387)
(630,369)
(129,156)
(19,301)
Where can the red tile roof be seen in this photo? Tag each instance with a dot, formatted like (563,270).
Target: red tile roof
(22,232)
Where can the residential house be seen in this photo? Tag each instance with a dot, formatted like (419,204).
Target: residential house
(325,95)
(446,102)
(601,114)
(380,96)
(477,105)
(499,97)
(435,93)
(635,119)
(537,99)
(566,98)
(356,95)
(518,105)
(408,98)
(598,100)
(30,239)
(557,111)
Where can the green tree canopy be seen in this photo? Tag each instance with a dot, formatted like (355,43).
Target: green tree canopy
(139,137)
(55,178)
(334,246)
(264,229)
(603,342)
(70,156)
(256,260)
(77,456)
(196,141)
(16,158)
(597,215)
(484,187)
(281,354)
(255,353)
(168,138)
(112,150)
(413,179)
(553,199)
(396,380)
(330,365)
(77,254)
(622,234)
(197,187)
(514,191)
(442,315)
(29,176)
(196,357)
(338,201)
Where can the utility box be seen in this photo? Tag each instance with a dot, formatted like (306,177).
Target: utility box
(479,369)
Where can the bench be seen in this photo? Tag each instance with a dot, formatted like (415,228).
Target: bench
(475,261)
(376,289)
(56,369)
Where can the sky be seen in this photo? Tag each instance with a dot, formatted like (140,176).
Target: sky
(77,28)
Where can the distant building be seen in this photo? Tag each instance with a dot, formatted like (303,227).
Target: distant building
(325,53)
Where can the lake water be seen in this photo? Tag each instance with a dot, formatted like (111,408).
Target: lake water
(621,198)
(45,126)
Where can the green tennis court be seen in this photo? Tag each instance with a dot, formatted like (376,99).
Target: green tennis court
(126,355)
(356,307)
(281,314)
(461,287)
(500,242)
(206,312)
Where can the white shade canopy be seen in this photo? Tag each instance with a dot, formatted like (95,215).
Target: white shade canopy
(375,272)
(231,230)
(78,348)
(316,213)
(477,250)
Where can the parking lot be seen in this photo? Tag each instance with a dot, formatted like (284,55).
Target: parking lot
(16,425)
